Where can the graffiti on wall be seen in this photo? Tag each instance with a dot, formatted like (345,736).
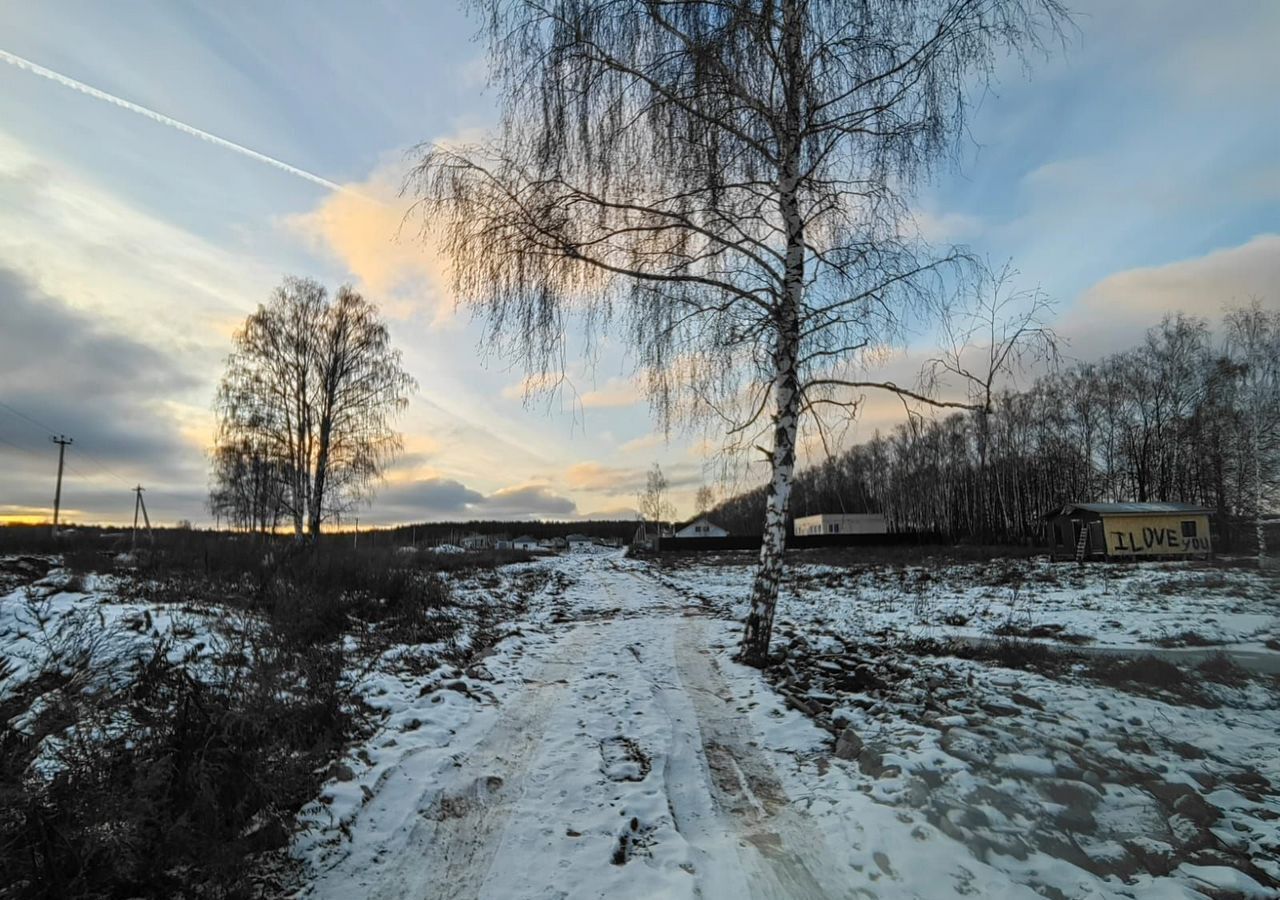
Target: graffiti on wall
(1157,539)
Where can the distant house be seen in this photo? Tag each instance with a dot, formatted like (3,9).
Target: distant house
(841,523)
(1128,530)
(555,543)
(579,543)
(525,542)
(476,541)
(701,527)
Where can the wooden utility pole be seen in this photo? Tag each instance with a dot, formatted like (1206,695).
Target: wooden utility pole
(61,440)
(140,505)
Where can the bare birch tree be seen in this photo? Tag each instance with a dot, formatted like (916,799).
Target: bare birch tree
(704,500)
(1253,343)
(653,502)
(312,387)
(724,182)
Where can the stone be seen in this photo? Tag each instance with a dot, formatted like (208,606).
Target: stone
(1169,792)
(849,745)
(999,708)
(1109,858)
(342,772)
(966,745)
(871,761)
(1156,857)
(1197,809)
(1075,794)
(1024,700)
(1187,834)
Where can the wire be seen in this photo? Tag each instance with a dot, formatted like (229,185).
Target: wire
(48,429)
(21,449)
(22,415)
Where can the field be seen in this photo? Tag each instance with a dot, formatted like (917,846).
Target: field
(576,727)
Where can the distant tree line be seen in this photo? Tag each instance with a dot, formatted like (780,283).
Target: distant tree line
(1186,416)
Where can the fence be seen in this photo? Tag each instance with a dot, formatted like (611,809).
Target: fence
(796,542)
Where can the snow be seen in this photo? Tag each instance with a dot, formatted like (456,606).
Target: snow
(1102,605)
(606,745)
(47,626)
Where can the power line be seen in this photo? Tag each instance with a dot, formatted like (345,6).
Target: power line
(49,429)
(20,449)
(22,415)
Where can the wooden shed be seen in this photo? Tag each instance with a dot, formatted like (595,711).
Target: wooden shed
(1128,531)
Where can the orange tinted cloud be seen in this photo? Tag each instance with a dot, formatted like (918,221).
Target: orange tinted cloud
(364,226)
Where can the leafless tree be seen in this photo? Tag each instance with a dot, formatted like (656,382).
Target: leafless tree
(247,486)
(725,182)
(1253,343)
(310,393)
(704,499)
(1003,330)
(653,502)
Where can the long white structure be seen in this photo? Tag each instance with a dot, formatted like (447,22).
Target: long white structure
(841,523)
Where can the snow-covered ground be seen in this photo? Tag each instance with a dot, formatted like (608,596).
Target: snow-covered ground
(1101,605)
(585,733)
(609,747)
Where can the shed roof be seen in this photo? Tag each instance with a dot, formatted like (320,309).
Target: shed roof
(1134,509)
(680,526)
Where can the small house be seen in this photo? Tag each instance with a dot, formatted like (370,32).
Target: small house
(1128,531)
(526,543)
(840,523)
(477,541)
(701,527)
(580,543)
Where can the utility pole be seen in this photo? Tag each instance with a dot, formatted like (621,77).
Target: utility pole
(355,536)
(140,505)
(61,440)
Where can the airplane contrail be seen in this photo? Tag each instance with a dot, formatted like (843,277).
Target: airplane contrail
(28,66)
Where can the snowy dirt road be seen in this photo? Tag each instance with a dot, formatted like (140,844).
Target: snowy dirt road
(617,765)
(609,747)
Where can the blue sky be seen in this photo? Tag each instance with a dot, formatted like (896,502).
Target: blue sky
(1135,171)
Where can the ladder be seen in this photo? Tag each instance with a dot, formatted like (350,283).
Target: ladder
(1082,542)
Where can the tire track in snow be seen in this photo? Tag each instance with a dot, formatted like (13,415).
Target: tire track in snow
(790,863)
(447,850)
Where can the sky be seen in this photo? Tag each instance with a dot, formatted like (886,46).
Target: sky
(1132,172)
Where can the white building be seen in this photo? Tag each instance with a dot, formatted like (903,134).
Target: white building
(701,527)
(841,523)
(524,542)
(580,543)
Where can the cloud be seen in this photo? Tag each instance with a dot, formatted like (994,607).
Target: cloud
(72,373)
(429,497)
(528,501)
(1130,302)
(612,513)
(644,442)
(610,480)
(615,392)
(947,227)
(440,498)
(365,229)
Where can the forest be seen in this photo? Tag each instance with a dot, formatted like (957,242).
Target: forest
(1191,415)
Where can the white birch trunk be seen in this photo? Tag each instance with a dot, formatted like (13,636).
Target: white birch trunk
(786,419)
